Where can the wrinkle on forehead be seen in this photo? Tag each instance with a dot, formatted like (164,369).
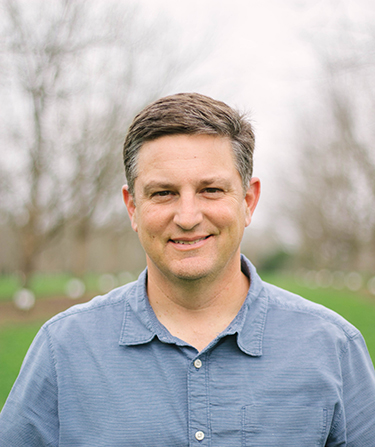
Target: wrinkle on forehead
(170,160)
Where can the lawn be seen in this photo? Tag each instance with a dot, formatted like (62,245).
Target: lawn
(43,285)
(358,308)
(14,342)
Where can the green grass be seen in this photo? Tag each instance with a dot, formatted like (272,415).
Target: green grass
(357,308)
(14,343)
(41,285)
(9,284)
(46,285)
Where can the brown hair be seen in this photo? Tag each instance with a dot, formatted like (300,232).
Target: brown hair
(190,113)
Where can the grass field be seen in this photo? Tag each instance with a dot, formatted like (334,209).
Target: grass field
(43,285)
(14,342)
(357,308)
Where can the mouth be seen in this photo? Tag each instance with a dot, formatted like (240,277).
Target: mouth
(189,241)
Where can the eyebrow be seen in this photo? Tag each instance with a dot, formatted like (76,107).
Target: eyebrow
(162,185)
(153,185)
(212,180)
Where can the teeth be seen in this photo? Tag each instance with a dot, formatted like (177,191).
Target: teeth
(189,242)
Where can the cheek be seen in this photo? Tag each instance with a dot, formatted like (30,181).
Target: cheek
(230,217)
(153,221)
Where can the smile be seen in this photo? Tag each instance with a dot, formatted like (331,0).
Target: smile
(195,241)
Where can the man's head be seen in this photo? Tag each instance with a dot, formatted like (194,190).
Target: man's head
(190,114)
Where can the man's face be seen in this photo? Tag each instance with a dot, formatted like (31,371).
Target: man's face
(189,207)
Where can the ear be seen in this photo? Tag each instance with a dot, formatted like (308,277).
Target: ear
(251,199)
(130,205)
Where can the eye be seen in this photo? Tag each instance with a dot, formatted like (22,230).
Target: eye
(162,195)
(213,192)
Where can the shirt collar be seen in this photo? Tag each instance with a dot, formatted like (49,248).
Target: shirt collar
(250,321)
(140,324)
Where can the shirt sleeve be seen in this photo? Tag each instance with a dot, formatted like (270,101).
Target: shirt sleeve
(356,426)
(30,414)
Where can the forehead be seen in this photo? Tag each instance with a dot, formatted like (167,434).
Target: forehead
(176,161)
(172,150)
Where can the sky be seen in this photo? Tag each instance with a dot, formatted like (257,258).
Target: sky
(260,58)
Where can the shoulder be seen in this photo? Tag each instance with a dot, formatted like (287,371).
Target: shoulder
(302,311)
(101,309)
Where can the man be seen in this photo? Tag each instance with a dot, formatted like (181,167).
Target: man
(199,351)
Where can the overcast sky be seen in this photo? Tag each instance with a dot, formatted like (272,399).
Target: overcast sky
(260,58)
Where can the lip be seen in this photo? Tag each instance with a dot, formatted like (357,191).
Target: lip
(185,243)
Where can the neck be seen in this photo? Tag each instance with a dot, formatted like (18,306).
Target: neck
(197,311)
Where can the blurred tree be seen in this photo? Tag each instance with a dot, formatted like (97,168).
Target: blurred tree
(334,181)
(74,74)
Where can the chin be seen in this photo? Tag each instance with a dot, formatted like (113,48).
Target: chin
(192,272)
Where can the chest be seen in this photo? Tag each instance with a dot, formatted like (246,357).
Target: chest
(164,395)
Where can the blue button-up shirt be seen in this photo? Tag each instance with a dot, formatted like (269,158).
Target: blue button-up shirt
(285,373)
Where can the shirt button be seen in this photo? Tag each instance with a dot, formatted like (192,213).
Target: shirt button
(198,364)
(199,435)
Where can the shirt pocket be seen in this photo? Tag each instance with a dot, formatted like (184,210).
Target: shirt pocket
(226,429)
(283,426)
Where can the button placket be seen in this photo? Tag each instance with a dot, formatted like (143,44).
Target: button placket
(198,401)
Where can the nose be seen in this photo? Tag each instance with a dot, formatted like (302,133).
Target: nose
(188,213)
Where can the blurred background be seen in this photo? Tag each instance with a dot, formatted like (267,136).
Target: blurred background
(73,74)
